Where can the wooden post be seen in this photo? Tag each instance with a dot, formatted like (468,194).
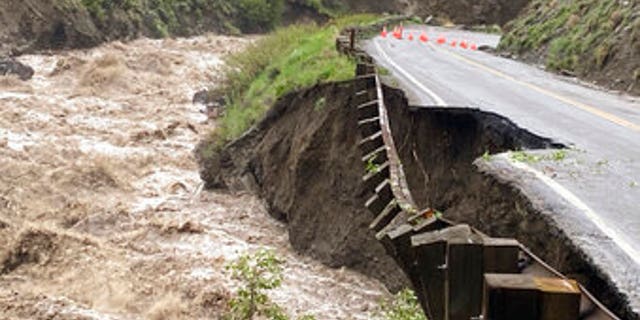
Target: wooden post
(465,276)
(501,255)
(520,296)
(560,298)
(352,39)
(431,257)
(509,297)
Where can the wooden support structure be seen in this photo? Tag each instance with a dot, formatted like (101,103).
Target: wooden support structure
(501,255)
(519,296)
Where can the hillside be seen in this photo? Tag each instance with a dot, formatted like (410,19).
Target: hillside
(598,40)
(29,25)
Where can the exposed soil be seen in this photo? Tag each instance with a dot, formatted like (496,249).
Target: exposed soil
(304,161)
(100,211)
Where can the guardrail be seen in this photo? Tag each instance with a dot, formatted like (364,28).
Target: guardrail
(456,271)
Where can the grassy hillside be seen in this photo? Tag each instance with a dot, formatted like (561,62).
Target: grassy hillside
(288,59)
(598,40)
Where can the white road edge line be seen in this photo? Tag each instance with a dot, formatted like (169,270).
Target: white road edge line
(555,186)
(575,201)
(436,99)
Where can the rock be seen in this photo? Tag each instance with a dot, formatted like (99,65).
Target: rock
(487,48)
(10,66)
(201,97)
(213,101)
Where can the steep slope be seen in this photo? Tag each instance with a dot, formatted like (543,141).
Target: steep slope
(598,40)
(31,25)
(303,160)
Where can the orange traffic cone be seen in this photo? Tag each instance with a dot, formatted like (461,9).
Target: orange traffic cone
(442,40)
(474,47)
(454,43)
(399,33)
(464,45)
(384,32)
(423,37)
(410,36)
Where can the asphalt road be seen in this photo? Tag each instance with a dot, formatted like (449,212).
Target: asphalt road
(600,177)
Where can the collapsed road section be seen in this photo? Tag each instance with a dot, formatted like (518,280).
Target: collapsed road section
(318,165)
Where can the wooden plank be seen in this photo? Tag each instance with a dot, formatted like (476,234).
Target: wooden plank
(368,127)
(430,255)
(368,110)
(510,297)
(371,143)
(377,157)
(501,255)
(376,204)
(373,179)
(465,276)
(385,217)
(559,300)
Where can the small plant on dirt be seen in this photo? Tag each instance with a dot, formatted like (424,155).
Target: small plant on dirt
(383,71)
(486,156)
(320,104)
(371,167)
(522,156)
(259,272)
(559,155)
(403,306)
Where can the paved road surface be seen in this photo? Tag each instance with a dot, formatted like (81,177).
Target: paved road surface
(600,178)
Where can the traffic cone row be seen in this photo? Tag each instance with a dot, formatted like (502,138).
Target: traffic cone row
(398,33)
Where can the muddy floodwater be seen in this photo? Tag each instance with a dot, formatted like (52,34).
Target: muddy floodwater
(100,211)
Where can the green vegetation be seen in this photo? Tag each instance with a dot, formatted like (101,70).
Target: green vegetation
(522,156)
(404,306)
(258,273)
(288,59)
(165,17)
(259,15)
(577,36)
(371,167)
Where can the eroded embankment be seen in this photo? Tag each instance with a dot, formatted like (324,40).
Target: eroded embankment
(441,151)
(304,161)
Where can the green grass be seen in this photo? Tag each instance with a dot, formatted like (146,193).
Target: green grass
(522,156)
(286,60)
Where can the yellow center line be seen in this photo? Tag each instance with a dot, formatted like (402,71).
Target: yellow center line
(593,110)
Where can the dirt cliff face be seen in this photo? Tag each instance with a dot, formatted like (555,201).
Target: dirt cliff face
(304,161)
(45,24)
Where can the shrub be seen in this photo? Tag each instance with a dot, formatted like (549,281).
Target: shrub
(258,273)
(259,15)
(404,306)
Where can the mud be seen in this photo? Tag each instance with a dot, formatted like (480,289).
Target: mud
(304,161)
(101,213)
